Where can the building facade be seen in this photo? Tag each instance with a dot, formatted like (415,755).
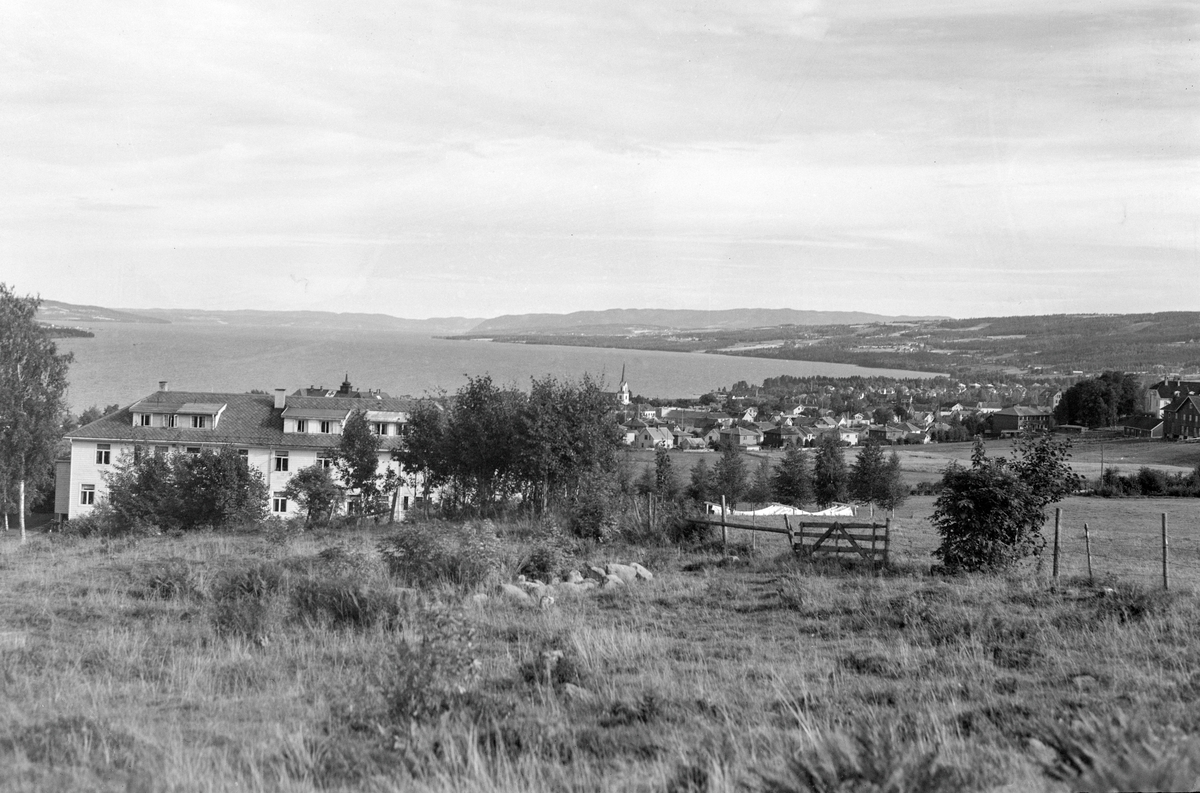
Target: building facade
(277,434)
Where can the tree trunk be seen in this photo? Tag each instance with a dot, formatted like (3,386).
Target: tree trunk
(21,506)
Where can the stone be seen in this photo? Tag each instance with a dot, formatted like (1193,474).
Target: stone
(514,592)
(622,571)
(577,693)
(12,640)
(478,597)
(642,572)
(597,574)
(612,582)
(1084,682)
(546,603)
(574,577)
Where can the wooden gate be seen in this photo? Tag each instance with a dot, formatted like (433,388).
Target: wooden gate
(868,540)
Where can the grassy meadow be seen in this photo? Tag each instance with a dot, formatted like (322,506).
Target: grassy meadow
(285,660)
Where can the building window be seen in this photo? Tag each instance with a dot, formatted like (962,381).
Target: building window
(404,504)
(87,495)
(244,454)
(326,427)
(301,425)
(161,451)
(381,428)
(103,454)
(324,460)
(281,461)
(172,420)
(198,422)
(278,504)
(192,449)
(144,420)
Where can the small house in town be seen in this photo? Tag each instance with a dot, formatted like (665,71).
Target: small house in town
(654,438)
(1018,418)
(1143,427)
(1181,419)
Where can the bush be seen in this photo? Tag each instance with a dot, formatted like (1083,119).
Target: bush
(872,758)
(1133,603)
(431,676)
(103,523)
(546,561)
(172,579)
(242,601)
(466,555)
(989,516)
(341,603)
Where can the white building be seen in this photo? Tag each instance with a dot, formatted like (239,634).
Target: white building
(277,434)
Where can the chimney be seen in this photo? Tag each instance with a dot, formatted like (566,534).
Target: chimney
(280,398)
(162,385)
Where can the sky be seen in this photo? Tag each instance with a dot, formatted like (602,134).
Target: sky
(443,158)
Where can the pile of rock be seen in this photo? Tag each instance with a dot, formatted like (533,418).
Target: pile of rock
(543,594)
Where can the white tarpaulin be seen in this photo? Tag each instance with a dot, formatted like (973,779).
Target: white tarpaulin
(836,511)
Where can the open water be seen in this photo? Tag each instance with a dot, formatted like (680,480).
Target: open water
(124,362)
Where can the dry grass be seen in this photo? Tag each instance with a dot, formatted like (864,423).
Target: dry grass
(762,674)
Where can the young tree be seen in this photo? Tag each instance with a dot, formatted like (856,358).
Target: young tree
(314,489)
(33,377)
(892,491)
(761,489)
(792,483)
(481,448)
(423,453)
(357,458)
(666,483)
(866,473)
(829,472)
(729,474)
(700,488)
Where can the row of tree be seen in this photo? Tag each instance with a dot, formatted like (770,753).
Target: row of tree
(800,478)
(489,445)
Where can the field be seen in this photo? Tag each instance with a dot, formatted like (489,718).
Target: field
(128,665)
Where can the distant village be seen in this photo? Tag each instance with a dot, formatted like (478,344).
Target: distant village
(887,412)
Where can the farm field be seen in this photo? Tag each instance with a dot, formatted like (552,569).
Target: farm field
(127,665)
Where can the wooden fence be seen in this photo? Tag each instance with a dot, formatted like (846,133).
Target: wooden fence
(811,539)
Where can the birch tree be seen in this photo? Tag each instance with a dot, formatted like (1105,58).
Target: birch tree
(33,378)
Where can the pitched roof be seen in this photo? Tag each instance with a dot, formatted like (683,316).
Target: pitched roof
(248,420)
(1022,410)
(1148,423)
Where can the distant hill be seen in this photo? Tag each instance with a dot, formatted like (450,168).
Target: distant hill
(635,319)
(55,312)
(314,319)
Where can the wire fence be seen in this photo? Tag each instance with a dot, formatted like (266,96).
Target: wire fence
(1124,535)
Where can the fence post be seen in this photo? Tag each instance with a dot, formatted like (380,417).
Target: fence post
(1164,544)
(1057,520)
(787,524)
(724,530)
(1087,544)
(887,539)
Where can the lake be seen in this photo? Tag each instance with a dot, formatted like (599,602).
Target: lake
(124,362)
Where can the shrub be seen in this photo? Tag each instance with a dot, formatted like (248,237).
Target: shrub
(431,676)
(1133,603)
(242,601)
(103,523)
(341,603)
(872,758)
(467,555)
(172,579)
(990,515)
(546,561)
